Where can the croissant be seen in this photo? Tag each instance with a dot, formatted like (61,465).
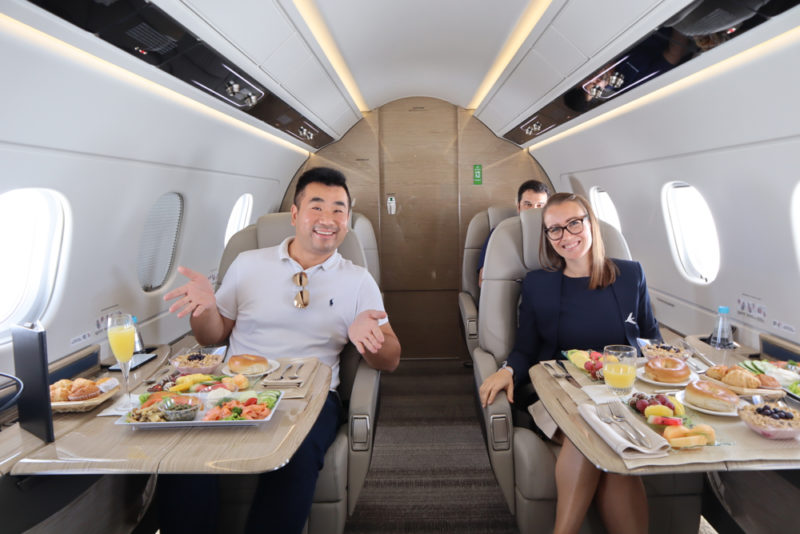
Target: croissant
(741,378)
(717,372)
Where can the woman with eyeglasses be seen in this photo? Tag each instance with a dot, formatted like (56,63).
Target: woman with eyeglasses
(579,299)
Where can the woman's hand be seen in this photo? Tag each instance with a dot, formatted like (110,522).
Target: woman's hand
(500,381)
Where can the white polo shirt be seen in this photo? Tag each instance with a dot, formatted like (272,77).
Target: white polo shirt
(258,293)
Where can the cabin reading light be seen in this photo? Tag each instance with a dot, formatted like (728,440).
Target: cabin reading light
(616,80)
(232,88)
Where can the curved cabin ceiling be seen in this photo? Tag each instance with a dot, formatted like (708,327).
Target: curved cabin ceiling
(441,49)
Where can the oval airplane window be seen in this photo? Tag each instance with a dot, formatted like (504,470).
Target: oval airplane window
(604,207)
(240,216)
(31,257)
(694,235)
(159,241)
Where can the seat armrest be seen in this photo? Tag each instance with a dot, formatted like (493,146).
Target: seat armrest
(361,428)
(469,314)
(499,428)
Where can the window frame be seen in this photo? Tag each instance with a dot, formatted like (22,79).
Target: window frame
(681,252)
(601,207)
(32,306)
(243,215)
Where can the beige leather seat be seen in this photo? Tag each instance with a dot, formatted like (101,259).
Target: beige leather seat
(524,464)
(481,224)
(348,458)
(362,227)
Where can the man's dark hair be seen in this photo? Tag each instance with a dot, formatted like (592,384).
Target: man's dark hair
(532,185)
(321,175)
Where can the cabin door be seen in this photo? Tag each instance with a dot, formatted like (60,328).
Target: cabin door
(420,242)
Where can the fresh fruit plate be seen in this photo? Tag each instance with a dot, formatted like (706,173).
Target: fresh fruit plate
(666,414)
(243,408)
(588,361)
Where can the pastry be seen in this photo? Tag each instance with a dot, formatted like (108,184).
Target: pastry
(711,396)
(717,372)
(741,378)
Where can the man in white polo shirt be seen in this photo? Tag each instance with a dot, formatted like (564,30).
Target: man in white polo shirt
(300,298)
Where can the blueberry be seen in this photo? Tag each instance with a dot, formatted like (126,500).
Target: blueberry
(775,416)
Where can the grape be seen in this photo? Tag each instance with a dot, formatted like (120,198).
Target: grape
(588,365)
(669,405)
(661,398)
(641,405)
(652,402)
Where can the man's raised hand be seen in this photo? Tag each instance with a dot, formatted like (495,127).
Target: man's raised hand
(197,295)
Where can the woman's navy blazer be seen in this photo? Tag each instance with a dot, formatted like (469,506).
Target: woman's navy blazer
(537,330)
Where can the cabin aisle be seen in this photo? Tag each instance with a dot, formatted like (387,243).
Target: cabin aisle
(430,472)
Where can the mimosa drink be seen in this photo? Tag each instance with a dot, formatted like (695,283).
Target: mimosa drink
(121,339)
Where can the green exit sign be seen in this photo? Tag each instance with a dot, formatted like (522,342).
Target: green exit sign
(477,174)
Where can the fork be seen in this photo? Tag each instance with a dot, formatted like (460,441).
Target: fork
(283,374)
(296,373)
(620,418)
(605,415)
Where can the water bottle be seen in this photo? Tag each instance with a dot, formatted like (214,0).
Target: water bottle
(722,337)
(138,346)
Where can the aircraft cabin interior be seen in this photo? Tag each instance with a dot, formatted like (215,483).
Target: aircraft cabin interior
(138,137)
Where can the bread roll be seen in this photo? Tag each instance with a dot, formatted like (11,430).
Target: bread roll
(667,370)
(710,396)
(248,364)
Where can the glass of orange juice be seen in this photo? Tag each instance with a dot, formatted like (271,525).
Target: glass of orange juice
(121,339)
(619,368)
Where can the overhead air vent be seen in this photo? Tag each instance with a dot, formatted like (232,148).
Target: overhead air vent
(699,27)
(145,31)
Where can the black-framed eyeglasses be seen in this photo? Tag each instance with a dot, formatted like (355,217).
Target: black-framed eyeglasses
(302,299)
(574,227)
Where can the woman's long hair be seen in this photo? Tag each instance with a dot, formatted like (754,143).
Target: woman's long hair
(603,270)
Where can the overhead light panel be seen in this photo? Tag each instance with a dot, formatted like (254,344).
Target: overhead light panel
(530,17)
(313,19)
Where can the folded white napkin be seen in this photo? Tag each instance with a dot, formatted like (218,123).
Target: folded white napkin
(620,443)
(600,393)
(117,408)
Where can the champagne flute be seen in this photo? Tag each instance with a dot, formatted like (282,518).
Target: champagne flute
(619,368)
(121,336)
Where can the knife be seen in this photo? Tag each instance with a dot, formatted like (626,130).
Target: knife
(569,377)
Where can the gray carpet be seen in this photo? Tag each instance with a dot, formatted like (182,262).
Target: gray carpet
(430,472)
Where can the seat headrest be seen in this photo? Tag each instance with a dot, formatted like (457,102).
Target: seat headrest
(614,242)
(270,230)
(531,222)
(499,213)
(273,228)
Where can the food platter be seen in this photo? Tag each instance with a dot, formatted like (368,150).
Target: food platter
(271,366)
(82,406)
(681,396)
(198,420)
(644,378)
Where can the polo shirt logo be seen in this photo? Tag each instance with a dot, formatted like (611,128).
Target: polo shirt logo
(331,302)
